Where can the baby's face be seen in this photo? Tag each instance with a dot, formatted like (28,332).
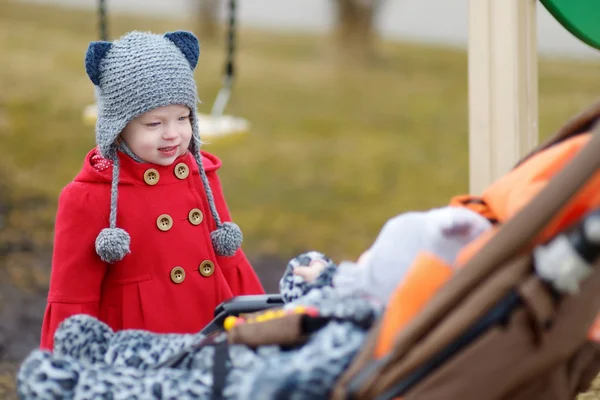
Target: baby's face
(160,135)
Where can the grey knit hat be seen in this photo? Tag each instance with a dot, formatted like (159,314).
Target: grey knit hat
(135,74)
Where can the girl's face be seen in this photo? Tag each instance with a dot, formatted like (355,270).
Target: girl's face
(161,135)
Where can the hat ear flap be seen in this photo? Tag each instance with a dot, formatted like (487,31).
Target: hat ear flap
(95,53)
(188,44)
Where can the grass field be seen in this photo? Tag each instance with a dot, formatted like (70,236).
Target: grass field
(334,149)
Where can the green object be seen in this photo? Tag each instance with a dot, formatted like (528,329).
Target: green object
(580,17)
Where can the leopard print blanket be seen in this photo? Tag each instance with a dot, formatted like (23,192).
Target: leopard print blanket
(90,361)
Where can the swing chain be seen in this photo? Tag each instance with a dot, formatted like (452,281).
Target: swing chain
(102,20)
(223,95)
(229,70)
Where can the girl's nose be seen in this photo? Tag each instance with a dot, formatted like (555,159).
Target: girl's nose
(170,132)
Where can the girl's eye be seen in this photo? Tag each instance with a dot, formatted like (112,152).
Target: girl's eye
(152,124)
(184,117)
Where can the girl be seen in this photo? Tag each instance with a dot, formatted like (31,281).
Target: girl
(143,237)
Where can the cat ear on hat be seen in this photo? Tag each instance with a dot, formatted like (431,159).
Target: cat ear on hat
(187,43)
(95,53)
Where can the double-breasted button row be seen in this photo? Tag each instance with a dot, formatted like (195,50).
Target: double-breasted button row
(164,222)
(151,176)
(206,269)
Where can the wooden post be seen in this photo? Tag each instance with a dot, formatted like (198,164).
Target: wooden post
(503,87)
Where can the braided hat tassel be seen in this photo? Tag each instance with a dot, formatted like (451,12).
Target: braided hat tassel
(112,244)
(227,238)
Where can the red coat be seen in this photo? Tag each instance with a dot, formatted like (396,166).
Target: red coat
(144,290)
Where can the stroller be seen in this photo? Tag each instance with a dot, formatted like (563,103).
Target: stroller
(501,328)
(513,323)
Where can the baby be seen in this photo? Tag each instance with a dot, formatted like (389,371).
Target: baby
(442,232)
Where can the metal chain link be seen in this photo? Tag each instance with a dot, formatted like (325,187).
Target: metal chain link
(102,20)
(229,66)
(223,96)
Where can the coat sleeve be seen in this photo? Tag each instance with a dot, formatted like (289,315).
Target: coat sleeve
(77,271)
(240,275)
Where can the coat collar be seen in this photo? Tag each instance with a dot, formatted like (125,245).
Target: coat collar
(132,172)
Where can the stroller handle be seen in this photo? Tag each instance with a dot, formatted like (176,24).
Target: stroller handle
(239,305)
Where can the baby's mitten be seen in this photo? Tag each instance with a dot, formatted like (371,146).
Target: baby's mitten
(293,286)
(84,338)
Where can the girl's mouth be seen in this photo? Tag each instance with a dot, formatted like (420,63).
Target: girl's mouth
(168,151)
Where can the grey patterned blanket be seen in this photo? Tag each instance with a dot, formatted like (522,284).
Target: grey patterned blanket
(90,361)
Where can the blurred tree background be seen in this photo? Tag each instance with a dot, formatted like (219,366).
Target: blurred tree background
(335,149)
(354,26)
(208,19)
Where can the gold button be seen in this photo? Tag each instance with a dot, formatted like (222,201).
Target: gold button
(182,171)
(164,222)
(151,176)
(177,275)
(195,216)
(206,268)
